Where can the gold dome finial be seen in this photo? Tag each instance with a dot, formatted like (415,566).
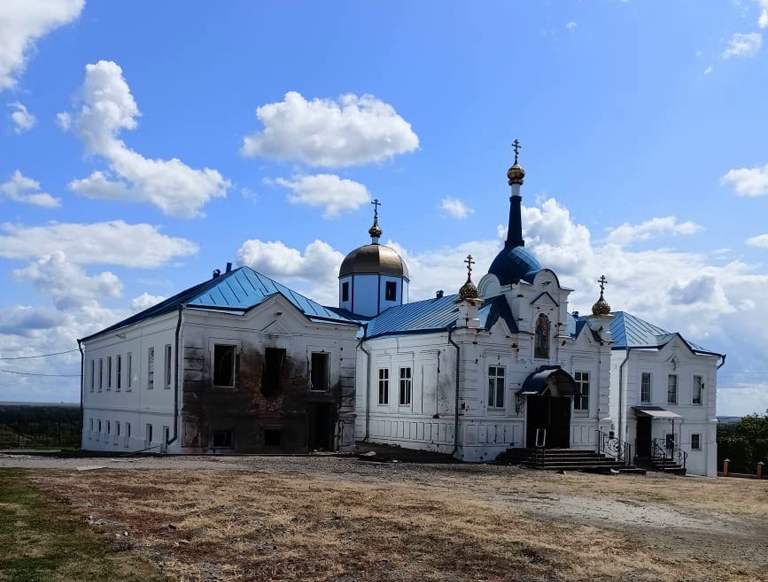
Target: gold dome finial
(516,174)
(468,289)
(375,230)
(601,306)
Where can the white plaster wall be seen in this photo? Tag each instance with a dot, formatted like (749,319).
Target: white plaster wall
(134,403)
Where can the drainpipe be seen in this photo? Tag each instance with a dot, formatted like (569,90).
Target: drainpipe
(82,383)
(722,363)
(176,379)
(367,383)
(456,411)
(621,396)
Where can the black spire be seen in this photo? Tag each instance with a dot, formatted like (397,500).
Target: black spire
(515,176)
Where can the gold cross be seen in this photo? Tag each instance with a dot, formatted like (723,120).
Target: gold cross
(469,262)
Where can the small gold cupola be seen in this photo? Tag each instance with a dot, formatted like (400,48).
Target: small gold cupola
(516,173)
(468,290)
(601,306)
(375,230)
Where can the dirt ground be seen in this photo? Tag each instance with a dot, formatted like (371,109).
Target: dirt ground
(331,518)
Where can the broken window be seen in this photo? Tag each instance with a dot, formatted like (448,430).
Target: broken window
(345,291)
(224,365)
(272,376)
(405,386)
(541,342)
(319,373)
(390,292)
(384,386)
(272,437)
(222,439)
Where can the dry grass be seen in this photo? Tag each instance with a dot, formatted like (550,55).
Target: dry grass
(444,524)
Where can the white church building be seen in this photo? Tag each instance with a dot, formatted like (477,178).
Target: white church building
(242,363)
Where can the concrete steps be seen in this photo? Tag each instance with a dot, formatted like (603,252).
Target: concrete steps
(565,460)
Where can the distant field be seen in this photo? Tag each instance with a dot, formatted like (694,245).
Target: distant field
(29,426)
(327,518)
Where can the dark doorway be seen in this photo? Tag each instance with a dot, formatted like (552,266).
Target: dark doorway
(552,414)
(643,437)
(322,418)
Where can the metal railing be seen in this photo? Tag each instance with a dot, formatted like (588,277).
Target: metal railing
(612,446)
(660,451)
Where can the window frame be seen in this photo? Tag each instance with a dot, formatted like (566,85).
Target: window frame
(118,373)
(497,386)
(383,386)
(327,376)
(581,399)
(101,374)
(151,368)
(93,374)
(698,441)
(700,387)
(390,286)
(148,434)
(669,388)
(168,366)
(215,378)
(543,328)
(644,375)
(129,372)
(405,392)
(345,291)
(109,373)
(268,374)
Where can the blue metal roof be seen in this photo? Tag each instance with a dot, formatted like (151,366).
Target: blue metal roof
(630,331)
(433,315)
(513,264)
(238,290)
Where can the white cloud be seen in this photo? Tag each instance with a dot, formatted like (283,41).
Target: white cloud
(107,108)
(335,195)
(22,23)
(24,320)
(629,233)
(759,241)
(313,271)
(67,283)
(22,119)
(708,70)
(105,243)
(750,182)
(743,45)
(145,301)
(350,131)
(455,208)
(19,188)
(762,20)
(571,25)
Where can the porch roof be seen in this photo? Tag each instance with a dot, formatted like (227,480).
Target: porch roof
(655,412)
(552,378)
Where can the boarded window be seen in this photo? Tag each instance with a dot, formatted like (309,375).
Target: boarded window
(496,386)
(273,437)
(222,439)
(390,291)
(645,387)
(345,291)
(405,386)
(272,376)
(319,372)
(150,368)
(384,386)
(581,398)
(698,390)
(223,365)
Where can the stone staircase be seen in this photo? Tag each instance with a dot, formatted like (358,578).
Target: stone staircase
(565,460)
(665,466)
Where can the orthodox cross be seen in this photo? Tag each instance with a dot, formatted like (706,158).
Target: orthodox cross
(469,262)
(516,146)
(376,205)
(602,281)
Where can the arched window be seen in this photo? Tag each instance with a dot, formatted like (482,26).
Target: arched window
(541,342)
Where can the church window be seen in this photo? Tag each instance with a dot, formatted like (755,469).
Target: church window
(129,371)
(495,387)
(672,389)
(119,373)
(384,386)
(101,374)
(319,373)
(150,368)
(272,376)
(581,399)
(345,291)
(645,387)
(168,366)
(93,374)
(224,365)
(698,390)
(541,341)
(696,442)
(109,373)
(390,292)
(405,386)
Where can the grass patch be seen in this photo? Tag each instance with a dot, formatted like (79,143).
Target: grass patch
(42,539)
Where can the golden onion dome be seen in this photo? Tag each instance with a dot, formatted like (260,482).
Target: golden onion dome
(375,231)
(374,259)
(515,174)
(601,307)
(468,291)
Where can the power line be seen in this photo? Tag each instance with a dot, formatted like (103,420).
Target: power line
(39,355)
(20,373)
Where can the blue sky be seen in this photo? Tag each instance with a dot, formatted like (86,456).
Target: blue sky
(630,113)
